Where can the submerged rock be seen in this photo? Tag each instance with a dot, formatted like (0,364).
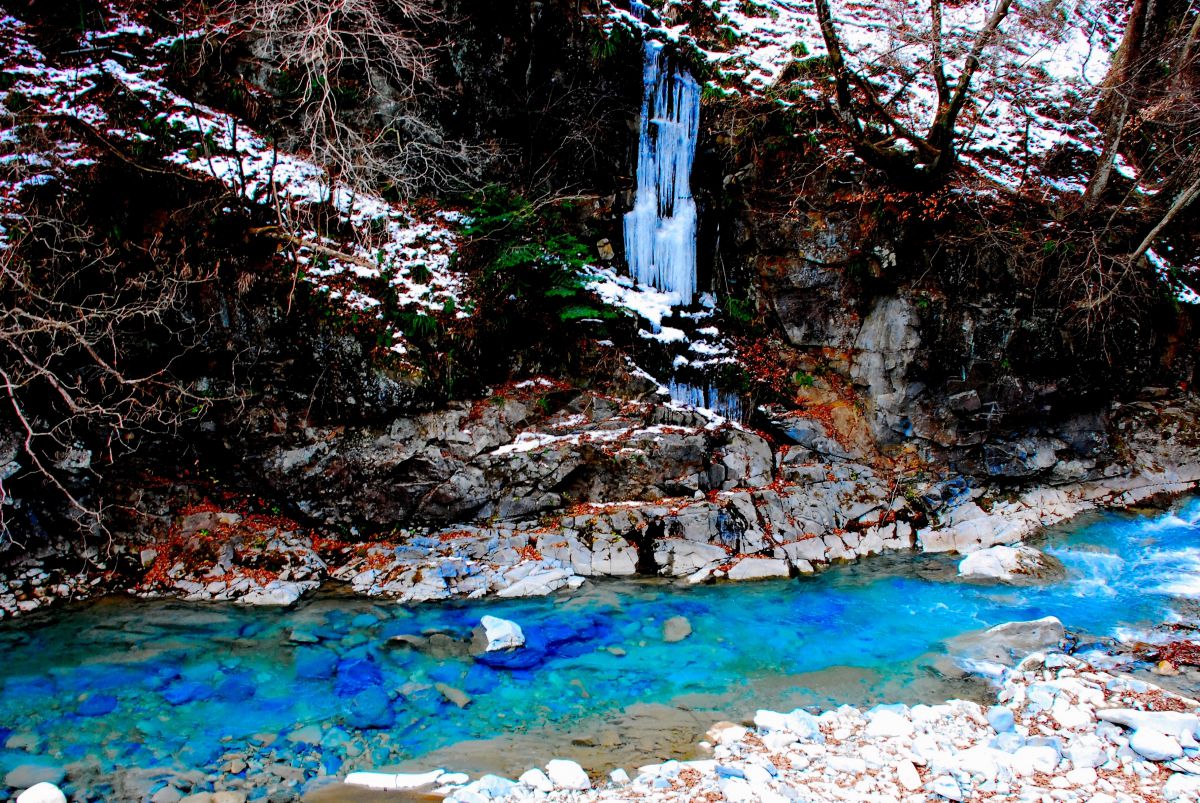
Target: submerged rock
(370,709)
(1007,644)
(1011,564)
(677,628)
(453,695)
(24,776)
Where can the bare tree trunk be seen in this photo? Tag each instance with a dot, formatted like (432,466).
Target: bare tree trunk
(1182,201)
(938,63)
(1099,180)
(1129,53)
(941,133)
(838,64)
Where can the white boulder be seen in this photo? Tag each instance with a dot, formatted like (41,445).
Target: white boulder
(886,723)
(42,793)
(1183,727)
(1155,745)
(276,592)
(536,779)
(1007,563)
(758,569)
(501,634)
(566,774)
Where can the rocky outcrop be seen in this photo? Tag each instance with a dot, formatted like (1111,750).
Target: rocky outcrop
(485,461)
(885,347)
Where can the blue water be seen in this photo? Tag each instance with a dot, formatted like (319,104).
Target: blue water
(121,683)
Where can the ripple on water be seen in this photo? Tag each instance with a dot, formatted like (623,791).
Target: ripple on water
(122,683)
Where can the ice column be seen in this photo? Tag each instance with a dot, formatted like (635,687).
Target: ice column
(660,230)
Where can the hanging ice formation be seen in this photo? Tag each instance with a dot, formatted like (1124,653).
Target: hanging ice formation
(722,402)
(660,230)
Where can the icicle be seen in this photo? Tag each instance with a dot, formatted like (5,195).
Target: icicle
(660,230)
(724,403)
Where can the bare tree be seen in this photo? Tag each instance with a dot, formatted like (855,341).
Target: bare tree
(360,73)
(75,392)
(874,128)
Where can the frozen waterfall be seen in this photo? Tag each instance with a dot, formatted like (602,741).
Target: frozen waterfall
(660,230)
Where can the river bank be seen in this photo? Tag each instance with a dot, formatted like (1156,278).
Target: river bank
(126,699)
(1060,730)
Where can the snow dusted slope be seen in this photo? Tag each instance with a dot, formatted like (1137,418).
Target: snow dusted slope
(1030,100)
(388,243)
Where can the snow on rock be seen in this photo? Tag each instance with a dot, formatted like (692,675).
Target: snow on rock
(621,291)
(393,781)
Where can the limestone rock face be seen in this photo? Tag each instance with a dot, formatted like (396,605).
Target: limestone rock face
(886,345)
(467,464)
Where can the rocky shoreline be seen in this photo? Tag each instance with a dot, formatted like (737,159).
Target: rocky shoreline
(1061,730)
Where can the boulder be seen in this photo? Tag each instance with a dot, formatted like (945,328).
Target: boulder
(801,723)
(1008,643)
(494,634)
(1155,745)
(1181,726)
(536,779)
(677,628)
(1011,565)
(277,592)
(886,723)
(565,774)
(42,793)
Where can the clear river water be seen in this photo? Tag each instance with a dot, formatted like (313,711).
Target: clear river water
(340,683)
